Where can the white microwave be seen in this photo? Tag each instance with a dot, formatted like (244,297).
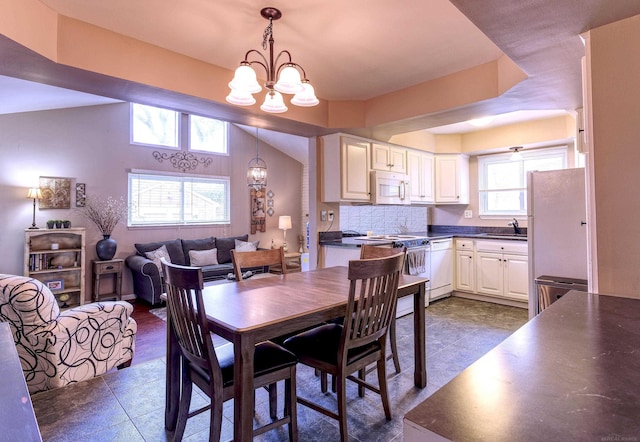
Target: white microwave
(389,188)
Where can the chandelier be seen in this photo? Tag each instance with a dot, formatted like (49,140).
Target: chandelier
(282,78)
(257,170)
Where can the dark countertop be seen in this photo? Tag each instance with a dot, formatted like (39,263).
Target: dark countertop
(571,373)
(354,242)
(17,420)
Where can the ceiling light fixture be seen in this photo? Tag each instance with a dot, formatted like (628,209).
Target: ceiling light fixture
(245,84)
(516,155)
(257,172)
(480,122)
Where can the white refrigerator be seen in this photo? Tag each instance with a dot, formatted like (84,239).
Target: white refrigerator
(556,228)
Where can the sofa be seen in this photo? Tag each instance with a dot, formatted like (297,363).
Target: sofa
(147,278)
(58,348)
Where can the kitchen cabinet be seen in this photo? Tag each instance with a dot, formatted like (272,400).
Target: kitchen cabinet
(441,268)
(502,269)
(345,169)
(451,179)
(465,266)
(420,170)
(387,157)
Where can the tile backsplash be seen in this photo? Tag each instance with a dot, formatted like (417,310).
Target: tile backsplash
(384,219)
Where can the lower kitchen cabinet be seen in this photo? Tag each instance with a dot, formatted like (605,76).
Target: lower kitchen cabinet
(465,266)
(502,269)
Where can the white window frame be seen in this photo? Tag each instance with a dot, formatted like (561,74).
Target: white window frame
(225,140)
(183,180)
(485,160)
(177,133)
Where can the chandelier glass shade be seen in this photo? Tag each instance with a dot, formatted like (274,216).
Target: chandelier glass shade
(282,78)
(257,170)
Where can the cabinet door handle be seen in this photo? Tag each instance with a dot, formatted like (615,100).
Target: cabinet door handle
(109,267)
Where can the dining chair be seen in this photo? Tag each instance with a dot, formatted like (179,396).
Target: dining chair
(368,252)
(341,350)
(257,259)
(211,369)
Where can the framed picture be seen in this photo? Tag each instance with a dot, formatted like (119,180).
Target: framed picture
(55,284)
(56,193)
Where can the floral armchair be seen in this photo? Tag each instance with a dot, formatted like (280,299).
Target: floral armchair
(58,348)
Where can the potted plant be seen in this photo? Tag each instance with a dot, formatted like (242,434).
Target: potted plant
(66,223)
(58,224)
(51,224)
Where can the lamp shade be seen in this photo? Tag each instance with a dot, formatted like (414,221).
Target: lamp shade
(245,80)
(273,103)
(34,193)
(284,222)
(289,81)
(240,98)
(307,97)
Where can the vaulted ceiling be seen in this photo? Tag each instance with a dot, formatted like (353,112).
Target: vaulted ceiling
(371,53)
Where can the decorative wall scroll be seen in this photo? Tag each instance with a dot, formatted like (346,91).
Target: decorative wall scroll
(258,214)
(56,193)
(270,211)
(182,160)
(81,194)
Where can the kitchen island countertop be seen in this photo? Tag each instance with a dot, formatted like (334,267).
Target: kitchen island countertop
(570,373)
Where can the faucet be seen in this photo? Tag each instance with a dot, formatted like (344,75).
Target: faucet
(516,227)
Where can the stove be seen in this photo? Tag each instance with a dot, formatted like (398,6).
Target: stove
(410,242)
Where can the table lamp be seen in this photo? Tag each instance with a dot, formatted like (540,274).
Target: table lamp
(284,224)
(36,194)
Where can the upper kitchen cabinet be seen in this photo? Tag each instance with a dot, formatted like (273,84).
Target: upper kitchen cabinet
(345,169)
(387,157)
(452,179)
(420,170)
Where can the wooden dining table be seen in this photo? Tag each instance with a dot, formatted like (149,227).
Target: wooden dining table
(254,310)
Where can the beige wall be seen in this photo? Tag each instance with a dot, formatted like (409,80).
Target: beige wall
(615,72)
(91,145)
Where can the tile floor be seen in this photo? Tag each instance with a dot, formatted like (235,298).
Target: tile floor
(128,405)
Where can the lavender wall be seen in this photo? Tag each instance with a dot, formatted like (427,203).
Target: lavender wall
(91,145)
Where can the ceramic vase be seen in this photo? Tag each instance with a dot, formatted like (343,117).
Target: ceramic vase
(106,248)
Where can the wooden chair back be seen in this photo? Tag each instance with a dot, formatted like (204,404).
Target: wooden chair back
(185,310)
(259,258)
(370,252)
(371,306)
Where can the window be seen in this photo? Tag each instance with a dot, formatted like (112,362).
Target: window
(502,182)
(207,135)
(154,126)
(156,199)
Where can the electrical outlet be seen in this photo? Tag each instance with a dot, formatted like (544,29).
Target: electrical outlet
(323,215)
(331,215)
(468,214)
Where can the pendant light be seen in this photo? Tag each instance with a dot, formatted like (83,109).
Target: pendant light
(257,172)
(286,77)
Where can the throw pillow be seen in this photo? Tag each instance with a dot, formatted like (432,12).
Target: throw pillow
(157,255)
(244,246)
(201,258)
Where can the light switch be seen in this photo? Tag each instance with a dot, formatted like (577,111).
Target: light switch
(323,215)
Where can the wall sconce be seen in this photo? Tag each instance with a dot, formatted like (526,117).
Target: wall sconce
(36,194)
(284,224)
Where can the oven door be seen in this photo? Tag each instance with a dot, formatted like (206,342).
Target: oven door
(417,262)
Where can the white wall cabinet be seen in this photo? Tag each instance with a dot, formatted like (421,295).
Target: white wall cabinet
(502,269)
(451,179)
(345,169)
(388,157)
(420,170)
(465,279)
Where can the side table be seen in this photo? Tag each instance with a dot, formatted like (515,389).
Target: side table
(112,267)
